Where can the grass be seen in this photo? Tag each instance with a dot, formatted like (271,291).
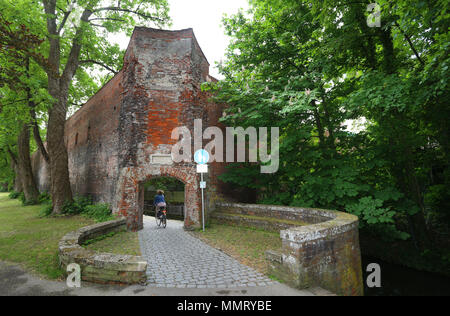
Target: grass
(247,245)
(124,243)
(32,241)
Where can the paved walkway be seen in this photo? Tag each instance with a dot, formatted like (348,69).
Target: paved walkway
(180,265)
(178,260)
(14,281)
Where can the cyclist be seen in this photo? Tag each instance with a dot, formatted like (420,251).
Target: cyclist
(159,202)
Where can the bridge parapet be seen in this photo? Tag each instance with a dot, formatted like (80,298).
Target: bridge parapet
(324,251)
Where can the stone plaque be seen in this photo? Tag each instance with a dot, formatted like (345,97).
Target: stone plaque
(161,159)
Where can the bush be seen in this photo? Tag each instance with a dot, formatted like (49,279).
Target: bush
(4,187)
(99,212)
(77,206)
(80,206)
(26,202)
(14,195)
(46,211)
(44,198)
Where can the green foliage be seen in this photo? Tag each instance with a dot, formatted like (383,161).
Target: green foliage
(22,199)
(80,206)
(44,198)
(46,211)
(165,184)
(371,211)
(63,44)
(314,69)
(14,195)
(76,207)
(99,238)
(99,212)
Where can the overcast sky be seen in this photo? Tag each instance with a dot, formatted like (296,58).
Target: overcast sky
(205,17)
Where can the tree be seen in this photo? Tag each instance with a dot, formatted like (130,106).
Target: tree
(20,83)
(75,36)
(314,67)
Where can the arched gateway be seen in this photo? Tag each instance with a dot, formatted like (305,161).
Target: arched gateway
(131,190)
(122,136)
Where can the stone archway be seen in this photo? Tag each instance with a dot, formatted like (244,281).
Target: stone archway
(128,203)
(174,193)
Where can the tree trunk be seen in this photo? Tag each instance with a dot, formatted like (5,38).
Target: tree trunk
(17,181)
(59,167)
(418,219)
(15,167)
(58,88)
(34,122)
(24,164)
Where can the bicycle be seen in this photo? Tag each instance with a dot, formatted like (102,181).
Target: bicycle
(161,220)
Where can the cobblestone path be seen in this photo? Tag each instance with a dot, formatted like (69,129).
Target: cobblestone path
(178,260)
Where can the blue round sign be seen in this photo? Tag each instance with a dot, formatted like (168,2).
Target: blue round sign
(201,157)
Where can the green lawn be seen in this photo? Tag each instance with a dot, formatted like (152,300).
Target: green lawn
(247,245)
(31,241)
(124,243)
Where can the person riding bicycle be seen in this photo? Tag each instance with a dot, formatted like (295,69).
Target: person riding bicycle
(159,202)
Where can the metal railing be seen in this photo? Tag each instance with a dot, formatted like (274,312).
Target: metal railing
(174,210)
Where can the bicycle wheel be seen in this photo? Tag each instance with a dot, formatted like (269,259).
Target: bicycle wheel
(158,220)
(164,221)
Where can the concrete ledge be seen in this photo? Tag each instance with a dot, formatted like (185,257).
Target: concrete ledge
(324,253)
(101,267)
(307,215)
(259,223)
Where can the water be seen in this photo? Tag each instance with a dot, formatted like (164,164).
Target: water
(401,281)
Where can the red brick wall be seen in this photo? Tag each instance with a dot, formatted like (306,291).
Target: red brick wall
(163,73)
(92,142)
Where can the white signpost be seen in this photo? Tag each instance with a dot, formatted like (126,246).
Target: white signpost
(201,157)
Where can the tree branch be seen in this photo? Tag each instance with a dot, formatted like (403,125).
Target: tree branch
(72,61)
(32,105)
(37,137)
(408,39)
(12,155)
(145,16)
(97,25)
(53,38)
(63,22)
(107,19)
(91,61)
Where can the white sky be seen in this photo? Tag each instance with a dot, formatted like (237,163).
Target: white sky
(205,17)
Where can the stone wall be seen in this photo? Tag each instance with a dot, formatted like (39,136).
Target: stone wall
(325,253)
(92,139)
(101,267)
(163,73)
